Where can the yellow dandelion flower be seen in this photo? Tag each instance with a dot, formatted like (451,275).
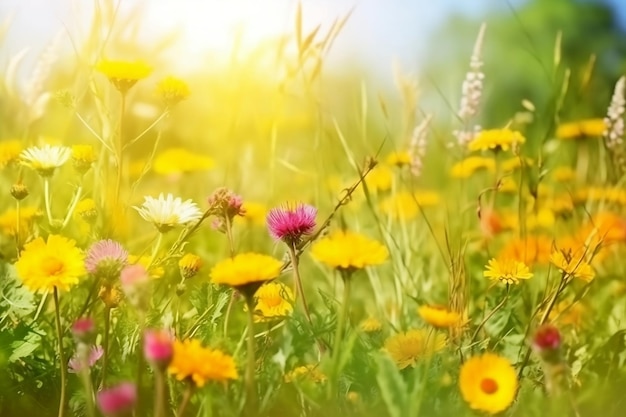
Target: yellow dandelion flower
(254,213)
(427,198)
(468,166)
(179,161)
(409,347)
(55,263)
(10,151)
(347,250)
(379,178)
(543,219)
(124,74)
(439,316)
(244,269)
(370,325)
(155,272)
(404,205)
(508,185)
(189,265)
(509,271)
(488,383)
(86,210)
(560,204)
(514,163)
(496,139)
(530,251)
(400,206)
(581,129)
(398,158)
(563,174)
(195,363)
(172,90)
(305,373)
(273,300)
(8,220)
(83,156)
(573,266)
(567,313)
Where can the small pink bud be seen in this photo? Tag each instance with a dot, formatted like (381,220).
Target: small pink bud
(118,400)
(83,328)
(158,347)
(546,342)
(134,276)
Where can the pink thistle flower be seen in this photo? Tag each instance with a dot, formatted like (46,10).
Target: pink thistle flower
(118,400)
(106,258)
(158,347)
(75,364)
(83,328)
(289,224)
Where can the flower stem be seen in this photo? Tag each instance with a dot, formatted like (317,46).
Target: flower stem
(562,284)
(300,291)
(251,395)
(61,355)
(159,394)
(228,310)
(72,207)
(17,226)
(119,149)
(341,323)
(46,197)
(155,250)
(85,375)
(491,313)
(185,400)
(105,344)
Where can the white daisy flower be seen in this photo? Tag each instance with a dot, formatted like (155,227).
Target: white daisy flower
(45,159)
(168,212)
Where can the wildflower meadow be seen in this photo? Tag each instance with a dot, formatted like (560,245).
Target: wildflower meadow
(266,239)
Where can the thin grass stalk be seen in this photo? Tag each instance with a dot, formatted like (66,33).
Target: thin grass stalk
(57,316)
(185,401)
(159,393)
(46,198)
(300,291)
(251,395)
(105,345)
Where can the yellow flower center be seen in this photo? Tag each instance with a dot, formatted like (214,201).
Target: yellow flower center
(273,300)
(488,386)
(52,266)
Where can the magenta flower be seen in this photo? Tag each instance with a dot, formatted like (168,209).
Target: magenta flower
(106,258)
(289,224)
(75,364)
(118,400)
(158,347)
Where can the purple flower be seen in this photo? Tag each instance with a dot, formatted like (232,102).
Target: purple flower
(106,258)
(289,224)
(118,400)
(76,365)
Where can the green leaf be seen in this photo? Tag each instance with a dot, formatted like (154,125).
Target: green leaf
(393,389)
